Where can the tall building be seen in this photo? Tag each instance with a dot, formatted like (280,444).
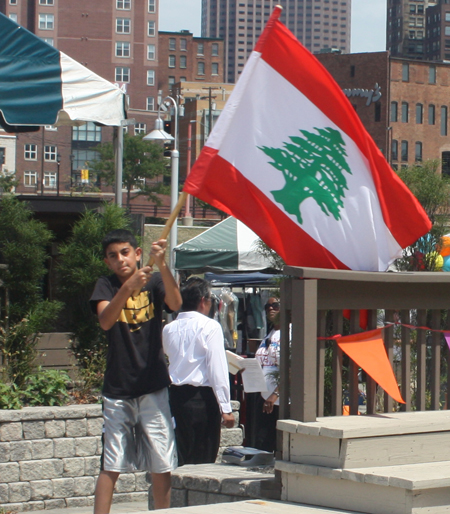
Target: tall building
(317,24)
(406,25)
(438,32)
(118,40)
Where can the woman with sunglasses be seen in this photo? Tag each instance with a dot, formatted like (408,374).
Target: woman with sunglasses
(268,355)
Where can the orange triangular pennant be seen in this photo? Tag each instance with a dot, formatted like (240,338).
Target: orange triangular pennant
(368,351)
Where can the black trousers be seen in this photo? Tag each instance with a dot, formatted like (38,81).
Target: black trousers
(266,427)
(198,419)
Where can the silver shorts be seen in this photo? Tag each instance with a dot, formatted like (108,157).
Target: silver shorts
(138,434)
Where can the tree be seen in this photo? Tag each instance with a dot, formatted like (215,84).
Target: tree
(143,162)
(432,190)
(23,249)
(80,266)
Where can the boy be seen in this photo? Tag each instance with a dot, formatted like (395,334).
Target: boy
(138,433)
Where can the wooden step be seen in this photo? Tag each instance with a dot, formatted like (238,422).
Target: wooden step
(407,489)
(368,441)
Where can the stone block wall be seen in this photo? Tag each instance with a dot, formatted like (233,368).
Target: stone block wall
(50,458)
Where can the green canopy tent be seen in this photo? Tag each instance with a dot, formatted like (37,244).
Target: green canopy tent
(229,246)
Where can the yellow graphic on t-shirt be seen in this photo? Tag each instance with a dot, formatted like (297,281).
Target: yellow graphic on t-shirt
(137,311)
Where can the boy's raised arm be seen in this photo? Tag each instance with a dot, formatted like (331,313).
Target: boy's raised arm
(173,297)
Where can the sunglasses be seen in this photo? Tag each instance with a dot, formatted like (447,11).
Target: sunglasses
(274,305)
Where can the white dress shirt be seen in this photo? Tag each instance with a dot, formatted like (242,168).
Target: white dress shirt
(195,348)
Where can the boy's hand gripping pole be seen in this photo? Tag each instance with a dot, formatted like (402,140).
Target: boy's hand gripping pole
(166,230)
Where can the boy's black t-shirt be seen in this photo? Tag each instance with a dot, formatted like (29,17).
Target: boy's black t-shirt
(135,363)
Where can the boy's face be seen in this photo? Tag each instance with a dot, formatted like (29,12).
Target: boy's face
(122,259)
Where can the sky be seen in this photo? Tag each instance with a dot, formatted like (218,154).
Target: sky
(368,21)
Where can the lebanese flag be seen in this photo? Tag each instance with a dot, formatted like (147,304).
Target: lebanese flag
(290,158)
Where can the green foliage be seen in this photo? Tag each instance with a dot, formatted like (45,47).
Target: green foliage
(23,247)
(47,388)
(141,160)
(18,341)
(8,181)
(432,190)
(313,167)
(9,396)
(81,264)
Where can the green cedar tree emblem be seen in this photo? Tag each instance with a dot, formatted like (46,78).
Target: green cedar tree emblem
(313,166)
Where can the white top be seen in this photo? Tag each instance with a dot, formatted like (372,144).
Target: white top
(195,348)
(269,358)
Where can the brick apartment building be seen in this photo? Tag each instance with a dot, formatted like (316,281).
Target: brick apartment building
(409,121)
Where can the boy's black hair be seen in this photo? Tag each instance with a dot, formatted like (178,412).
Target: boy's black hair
(118,236)
(192,292)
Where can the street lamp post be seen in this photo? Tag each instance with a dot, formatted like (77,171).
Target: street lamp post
(158,134)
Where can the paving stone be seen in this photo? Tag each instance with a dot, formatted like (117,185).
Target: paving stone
(178,498)
(51,468)
(76,428)
(141,481)
(4,493)
(55,428)
(41,489)
(64,447)
(77,502)
(94,426)
(63,487)
(9,472)
(221,498)
(71,412)
(37,413)
(11,432)
(197,498)
(5,452)
(126,483)
(86,446)
(201,484)
(33,429)
(42,449)
(73,467)
(83,486)
(92,466)
(57,503)
(20,450)
(30,470)
(231,437)
(19,492)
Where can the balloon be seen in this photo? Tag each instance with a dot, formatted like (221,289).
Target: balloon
(446,266)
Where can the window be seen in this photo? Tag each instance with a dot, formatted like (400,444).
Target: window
(123,49)
(30,178)
(200,48)
(215,68)
(81,158)
(12,2)
(394,150)
(151,29)
(150,103)
(13,17)
(446,163)
(200,68)
(419,114)
(30,152)
(172,43)
(172,61)
(2,155)
(418,151)
(123,25)
(432,75)
(405,112)
(171,81)
(377,111)
(124,4)
(87,132)
(444,120)
(183,44)
(394,111)
(151,6)
(431,115)
(151,52)
(122,74)
(150,77)
(405,151)
(42,2)
(182,79)
(182,61)
(405,72)
(46,21)
(50,179)
(50,153)
(215,49)
(140,128)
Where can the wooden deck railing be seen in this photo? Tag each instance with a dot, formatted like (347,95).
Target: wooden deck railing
(313,301)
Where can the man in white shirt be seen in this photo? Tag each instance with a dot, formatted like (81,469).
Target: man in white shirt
(200,390)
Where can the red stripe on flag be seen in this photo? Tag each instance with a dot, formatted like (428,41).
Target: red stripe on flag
(220,184)
(284,53)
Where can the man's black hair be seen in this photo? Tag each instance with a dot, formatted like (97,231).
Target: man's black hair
(118,236)
(192,292)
